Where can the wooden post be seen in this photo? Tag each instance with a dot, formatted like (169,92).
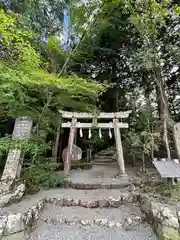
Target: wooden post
(67,163)
(120,157)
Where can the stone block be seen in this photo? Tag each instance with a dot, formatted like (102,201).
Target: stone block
(115,202)
(75,202)
(103,203)
(5,199)
(155,210)
(127,197)
(19,191)
(67,202)
(93,204)
(16,236)
(35,211)
(168,233)
(28,217)
(167,217)
(3,222)
(15,223)
(59,202)
(89,204)
(145,204)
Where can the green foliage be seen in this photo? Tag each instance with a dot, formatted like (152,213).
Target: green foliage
(43,16)
(162,192)
(96,142)
(120,42)
(53,44)
(143,140)
(42,174)
(5,143)
(34,145)
(27,88)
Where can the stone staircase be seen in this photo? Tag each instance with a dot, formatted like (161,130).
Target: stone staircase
(92,215)
(102,175)
(105,157)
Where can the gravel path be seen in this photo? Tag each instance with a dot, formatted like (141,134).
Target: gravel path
(46,231)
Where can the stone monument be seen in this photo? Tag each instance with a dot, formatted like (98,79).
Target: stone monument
(76,153)
(9,186)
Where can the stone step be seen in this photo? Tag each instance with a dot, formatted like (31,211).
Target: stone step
(69,196)
(103,158)
(106,160)
(101,163)
(99,183)
(95,199)
(106,153)
(121,217)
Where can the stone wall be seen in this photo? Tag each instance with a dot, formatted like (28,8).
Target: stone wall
(15,195)
(14,225)
(165,219)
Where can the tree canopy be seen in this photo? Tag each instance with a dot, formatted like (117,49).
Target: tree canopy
(92,56)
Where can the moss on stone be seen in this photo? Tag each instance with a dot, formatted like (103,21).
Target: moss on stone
(169,233)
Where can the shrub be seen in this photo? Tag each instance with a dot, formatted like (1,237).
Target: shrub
(41,174)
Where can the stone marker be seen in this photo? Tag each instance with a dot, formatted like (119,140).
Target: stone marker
(13,164)
(12,169)
(22,128)
(76,153)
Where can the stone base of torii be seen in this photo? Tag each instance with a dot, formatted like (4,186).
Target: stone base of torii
(114,124)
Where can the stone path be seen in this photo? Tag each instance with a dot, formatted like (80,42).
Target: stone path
(70,214)
(91,215)
(71,223)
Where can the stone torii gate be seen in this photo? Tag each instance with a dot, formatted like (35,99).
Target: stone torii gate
(115,124)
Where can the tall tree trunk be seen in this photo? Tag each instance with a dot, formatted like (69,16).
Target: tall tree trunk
(160,104)
(117,99)
(56,143)
(163,108)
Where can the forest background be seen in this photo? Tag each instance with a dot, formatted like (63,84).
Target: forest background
(89,56)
